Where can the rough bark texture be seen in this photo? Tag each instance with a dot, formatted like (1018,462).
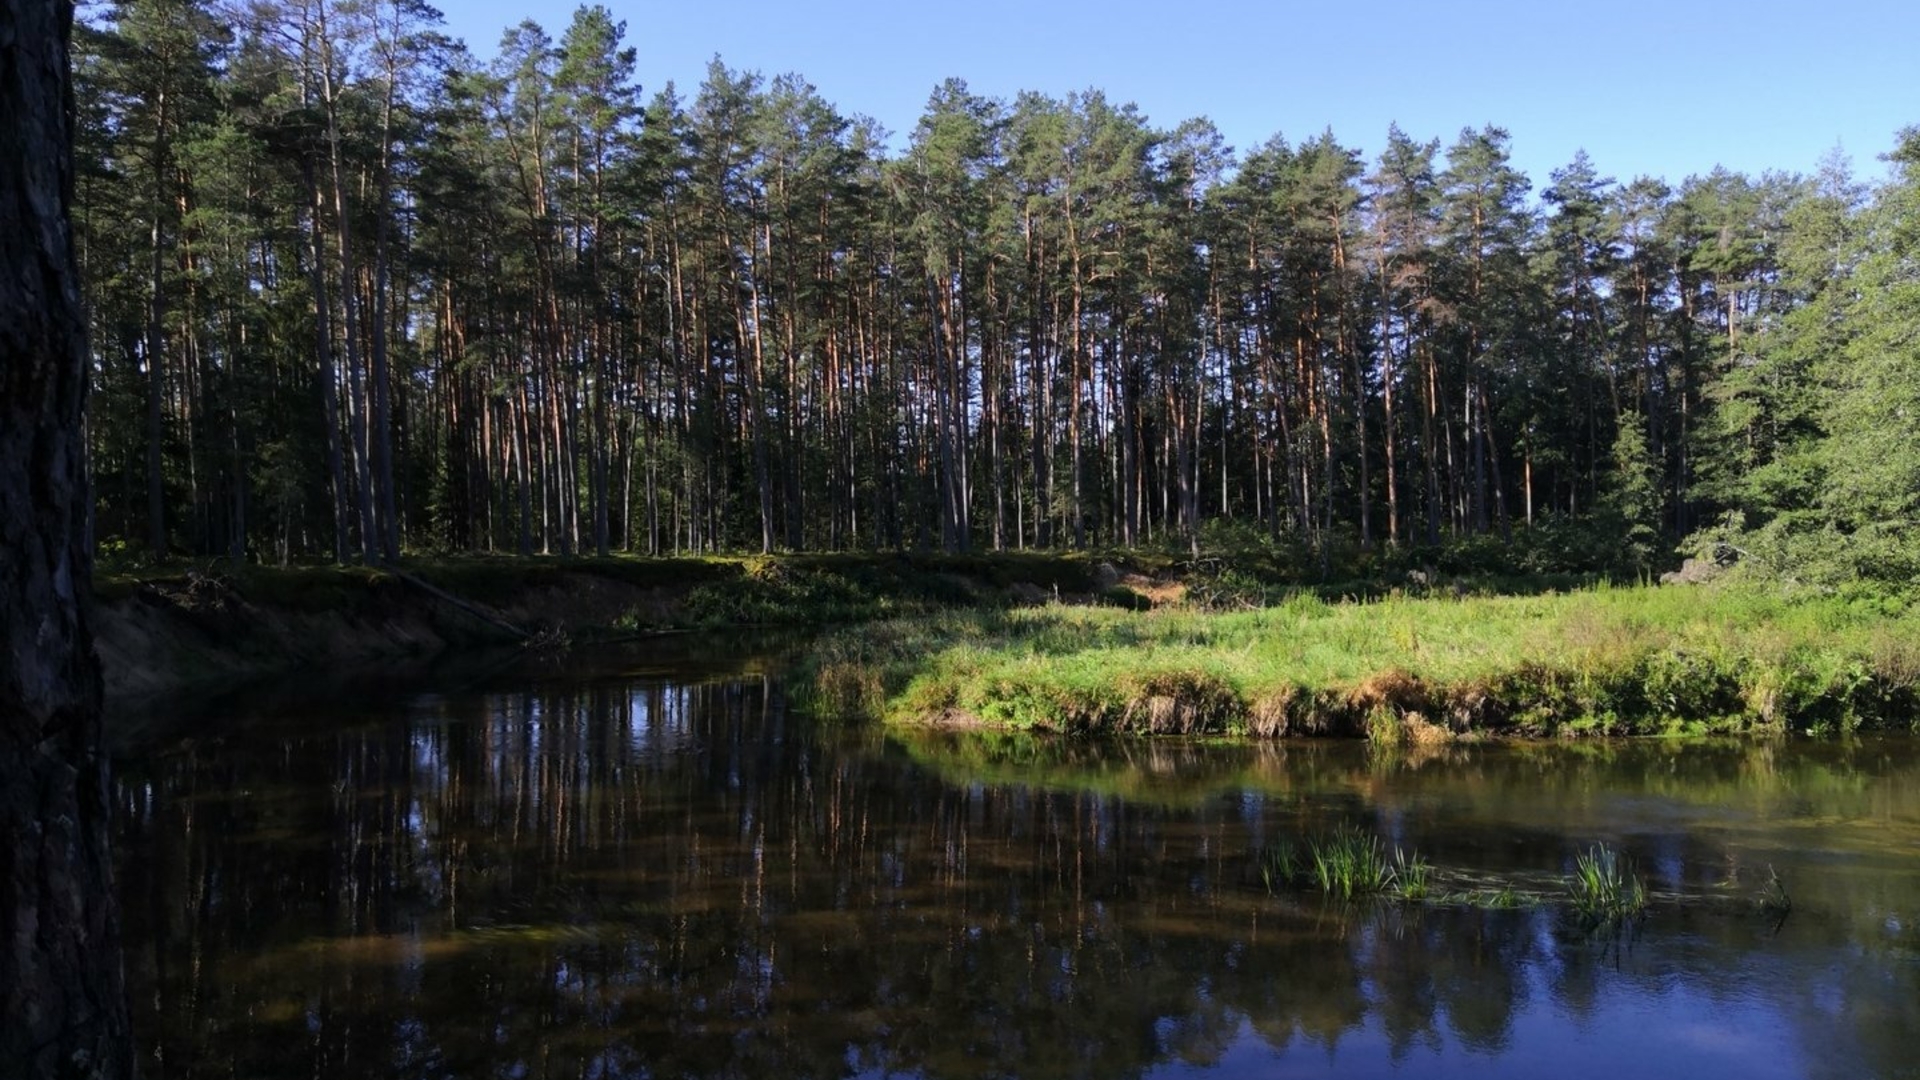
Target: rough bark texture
(62,1003)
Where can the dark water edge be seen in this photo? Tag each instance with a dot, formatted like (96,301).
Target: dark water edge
(641,864)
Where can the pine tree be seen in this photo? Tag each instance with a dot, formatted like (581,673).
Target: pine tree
(1871,456)
(1630,500)
(61,987)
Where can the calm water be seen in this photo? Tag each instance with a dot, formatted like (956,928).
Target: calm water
(651,869)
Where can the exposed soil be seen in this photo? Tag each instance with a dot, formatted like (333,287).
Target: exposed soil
(210,631)
(199,630)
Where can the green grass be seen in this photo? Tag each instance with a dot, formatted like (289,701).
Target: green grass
(1603,661)
(1503,898)
(1279,865)
(1412,875)
(1603,889)
(1348,863)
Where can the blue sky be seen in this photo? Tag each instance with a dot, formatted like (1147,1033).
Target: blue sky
(1659,87)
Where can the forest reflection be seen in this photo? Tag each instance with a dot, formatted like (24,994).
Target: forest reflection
(629,877)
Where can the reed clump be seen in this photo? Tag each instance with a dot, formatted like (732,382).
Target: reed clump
(1603,894)
(1348,863)
(1604,890)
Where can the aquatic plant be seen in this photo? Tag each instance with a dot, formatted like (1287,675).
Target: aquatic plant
(1412,875)
(1279,865)
(1348,863)
(1774,901)
(1504,898)
(1604,890)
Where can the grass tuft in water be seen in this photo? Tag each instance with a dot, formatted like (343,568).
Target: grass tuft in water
(1774,901)
(1604,889)
(1504,898)
(1348,863)
(1412,875)
(1279,866)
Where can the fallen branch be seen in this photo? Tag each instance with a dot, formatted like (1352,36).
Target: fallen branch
(492,618)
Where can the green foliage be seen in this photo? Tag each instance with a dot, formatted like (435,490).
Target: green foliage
(825,590)
(1633,501)
(1819,462)
(351,291)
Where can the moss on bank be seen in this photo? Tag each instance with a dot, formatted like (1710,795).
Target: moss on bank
(1606,661)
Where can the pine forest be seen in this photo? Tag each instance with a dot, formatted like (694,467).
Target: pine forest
(355,293)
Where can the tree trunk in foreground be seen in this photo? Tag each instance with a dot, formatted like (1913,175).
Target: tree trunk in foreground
(62,997)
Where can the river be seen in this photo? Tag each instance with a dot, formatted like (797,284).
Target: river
(642,864)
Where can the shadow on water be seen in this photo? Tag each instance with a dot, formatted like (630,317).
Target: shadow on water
(650,868)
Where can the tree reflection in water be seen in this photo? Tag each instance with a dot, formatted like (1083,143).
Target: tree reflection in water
(641,877)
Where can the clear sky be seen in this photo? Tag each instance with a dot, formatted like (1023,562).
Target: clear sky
(1666,88)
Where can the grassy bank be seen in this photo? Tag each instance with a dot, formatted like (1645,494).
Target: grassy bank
(1602,661)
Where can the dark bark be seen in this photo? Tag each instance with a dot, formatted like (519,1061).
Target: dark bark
(61,991)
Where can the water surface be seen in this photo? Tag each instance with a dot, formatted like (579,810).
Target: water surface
(649,867)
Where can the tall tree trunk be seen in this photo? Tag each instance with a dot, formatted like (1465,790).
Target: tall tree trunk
(1386,401)
(62,993)
(323,358)
(992,403)
(1074,399)
(749,329)
(1041,409)
(1344,345)
(1428,451)
(156,340)
(380,421)
(357,403)
(1492,450)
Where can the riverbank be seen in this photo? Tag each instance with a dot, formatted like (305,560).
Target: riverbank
(188,628)
(1604,661)
(1076,643)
